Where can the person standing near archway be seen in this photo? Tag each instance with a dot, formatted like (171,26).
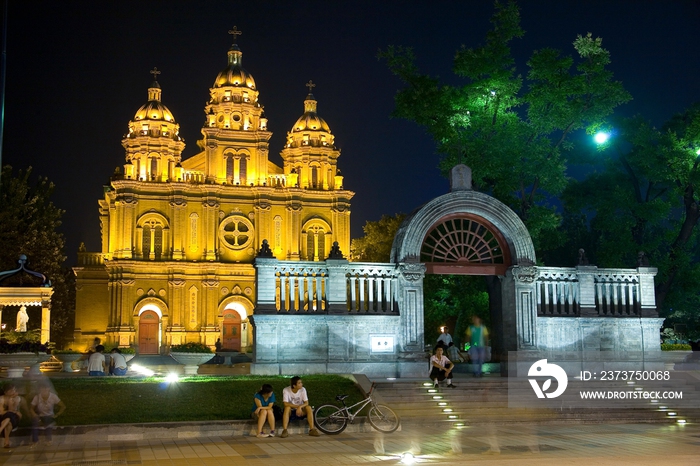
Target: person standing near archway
(478,337)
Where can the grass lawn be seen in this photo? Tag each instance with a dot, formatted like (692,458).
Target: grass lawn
(113,400)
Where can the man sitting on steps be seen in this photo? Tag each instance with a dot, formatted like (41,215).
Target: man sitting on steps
(296,406)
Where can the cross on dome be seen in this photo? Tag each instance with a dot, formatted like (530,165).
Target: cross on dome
(235,32)
(155,73)
(310,85)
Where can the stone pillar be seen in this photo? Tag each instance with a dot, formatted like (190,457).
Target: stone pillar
(265,285)
(647,294)
(410,295)
(211,231)
(128,219)
(336,293)
(586,286)
(179,226)
(209,329)
(294,230)
(519,308)
(45,321)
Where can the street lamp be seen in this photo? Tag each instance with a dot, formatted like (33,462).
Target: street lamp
(601,137)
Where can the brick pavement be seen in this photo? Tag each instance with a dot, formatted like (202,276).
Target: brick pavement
(643,444)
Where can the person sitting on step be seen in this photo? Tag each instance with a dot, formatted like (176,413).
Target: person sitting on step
(296,406)
(441,368)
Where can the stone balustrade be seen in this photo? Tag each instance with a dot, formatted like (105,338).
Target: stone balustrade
(587,291)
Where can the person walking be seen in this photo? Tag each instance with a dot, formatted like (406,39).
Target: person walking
(478,338)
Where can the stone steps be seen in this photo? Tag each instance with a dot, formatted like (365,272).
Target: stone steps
(485,401)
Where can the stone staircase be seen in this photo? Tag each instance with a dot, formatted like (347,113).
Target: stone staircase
(485,401)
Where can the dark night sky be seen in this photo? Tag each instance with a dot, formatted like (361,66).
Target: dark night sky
(78,71)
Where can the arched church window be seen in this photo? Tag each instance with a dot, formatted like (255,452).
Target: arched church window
(152,240)
(315,243)
(229,168)
(154,168)
(243,173)
(314,177)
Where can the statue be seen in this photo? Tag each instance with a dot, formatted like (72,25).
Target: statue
(22,319)
(582,259)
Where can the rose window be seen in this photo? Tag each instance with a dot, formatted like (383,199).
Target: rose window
(236,232)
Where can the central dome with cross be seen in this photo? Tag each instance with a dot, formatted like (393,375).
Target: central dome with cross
(310,119)
(234,74)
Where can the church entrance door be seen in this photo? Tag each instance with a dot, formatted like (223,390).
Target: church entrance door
(148,333)
(232,331)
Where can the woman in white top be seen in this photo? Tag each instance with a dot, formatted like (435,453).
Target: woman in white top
(440,368)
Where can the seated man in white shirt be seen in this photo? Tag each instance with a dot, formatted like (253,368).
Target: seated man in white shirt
(296,406)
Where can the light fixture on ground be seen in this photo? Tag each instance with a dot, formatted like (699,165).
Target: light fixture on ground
(172,378)
(408,458)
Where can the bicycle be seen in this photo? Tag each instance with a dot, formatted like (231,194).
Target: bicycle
(332,420)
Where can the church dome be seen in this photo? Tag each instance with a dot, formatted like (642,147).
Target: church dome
(154,108)
(234,74)
(310,121)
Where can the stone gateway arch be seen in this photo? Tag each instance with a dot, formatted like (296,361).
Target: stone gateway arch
(337,316)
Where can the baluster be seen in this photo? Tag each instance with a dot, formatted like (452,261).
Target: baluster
(362,300)
(318,293)
(630,298)
(353,300)
(283,292)
(371,282)
(599,298)
(546,297)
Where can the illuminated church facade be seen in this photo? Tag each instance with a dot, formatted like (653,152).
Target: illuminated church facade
(179,236)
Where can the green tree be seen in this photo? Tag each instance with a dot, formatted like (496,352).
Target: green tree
(513,131)
(645,198)
(29,224)
(375,246)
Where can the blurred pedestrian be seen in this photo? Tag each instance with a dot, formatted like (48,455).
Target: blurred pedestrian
(44,412)
(12,407)
(445,338)
(478,338)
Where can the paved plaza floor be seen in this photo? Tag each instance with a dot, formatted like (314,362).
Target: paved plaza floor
(639,444)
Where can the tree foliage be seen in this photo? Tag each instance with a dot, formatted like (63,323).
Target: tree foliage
(375,246)
(645,198)
(513,131)
(29,224)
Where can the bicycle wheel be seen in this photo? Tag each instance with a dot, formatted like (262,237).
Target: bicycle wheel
(330,419)
(383,419)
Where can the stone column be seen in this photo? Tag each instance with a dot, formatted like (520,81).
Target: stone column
(410,295)
(210,224)
(647,294)
(210,331)
(294,210)
(45,321)
(586,285)
(180,225)
(336,293)
(519,308)
(265,285)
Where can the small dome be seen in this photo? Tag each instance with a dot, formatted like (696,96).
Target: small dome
(154,108)
(310,119)
(234,74)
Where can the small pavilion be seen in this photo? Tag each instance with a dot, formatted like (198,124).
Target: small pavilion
(31,295)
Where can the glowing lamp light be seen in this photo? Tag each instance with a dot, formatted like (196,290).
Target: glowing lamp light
(452,416)
(408,458)
(172,378)
(671,414)
(654,401)
(427,384)
(432,390)
(442,403)
(697,152)
(447,410)
(681,421)
(437,397)
(601,137)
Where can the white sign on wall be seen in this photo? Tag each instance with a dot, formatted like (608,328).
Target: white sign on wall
(381,343)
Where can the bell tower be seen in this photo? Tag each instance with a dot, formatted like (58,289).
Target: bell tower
(153,144)
(235,136)
(310,156)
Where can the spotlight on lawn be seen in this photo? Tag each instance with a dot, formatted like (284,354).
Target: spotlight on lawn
(408,458)
(141,370)
(172,378)
(601,137)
